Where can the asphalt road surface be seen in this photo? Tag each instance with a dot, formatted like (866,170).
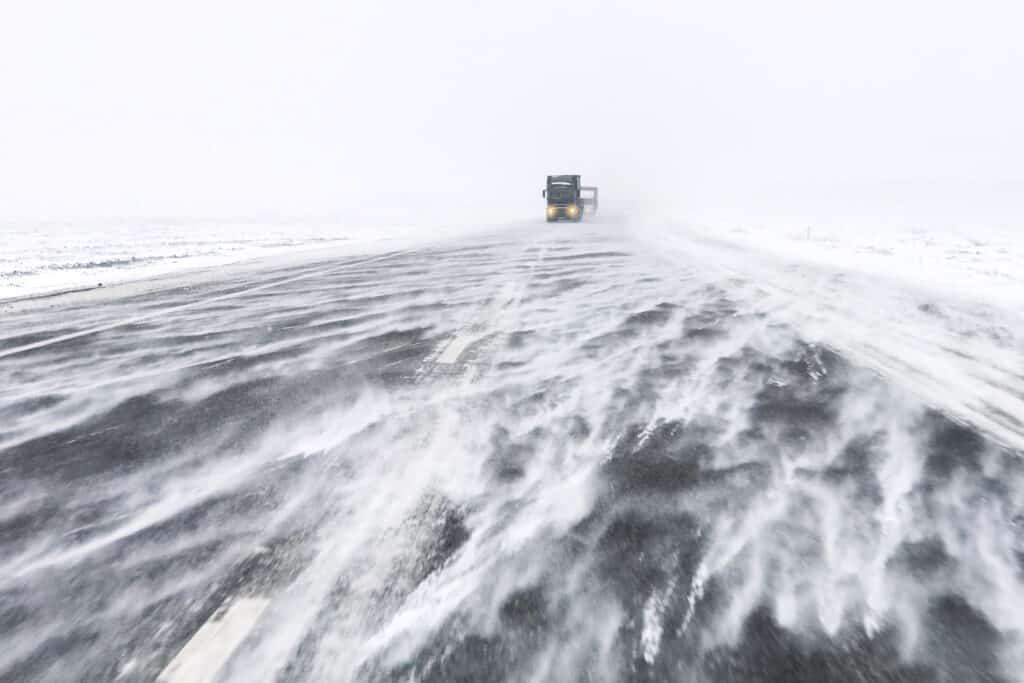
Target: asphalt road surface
(539,454)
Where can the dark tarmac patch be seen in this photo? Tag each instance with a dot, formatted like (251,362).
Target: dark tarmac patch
(806,399)
(642,555)
(608,342)
(668,458)
(742,478)
(526,608)
(519,338)
(950,447)
(510,457)
(659,315)
(630,330)
(567,285)
(28,406)
(391,338)
(921,559)
(80,344)
(961,642)
(637,549)
(124,436)
(856,467)
(447,533)
(862,454)
(768,652)
(313,324)
(15,341)
(703,333)
(527,618)
(748,365)
(578,428)
(591,256)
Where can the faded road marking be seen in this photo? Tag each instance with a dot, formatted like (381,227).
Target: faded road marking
(455,347)
(210,648)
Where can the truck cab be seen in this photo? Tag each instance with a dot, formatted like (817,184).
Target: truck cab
(567,199)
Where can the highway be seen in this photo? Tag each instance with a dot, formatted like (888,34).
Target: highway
(552,453)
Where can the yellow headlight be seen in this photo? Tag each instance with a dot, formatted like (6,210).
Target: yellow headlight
(552,210)
(573,210)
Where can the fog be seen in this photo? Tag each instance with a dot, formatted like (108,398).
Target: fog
(737,112)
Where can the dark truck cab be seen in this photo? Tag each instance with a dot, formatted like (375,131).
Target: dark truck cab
(568,199)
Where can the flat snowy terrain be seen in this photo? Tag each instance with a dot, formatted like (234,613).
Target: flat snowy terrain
(40,258)
(607,451)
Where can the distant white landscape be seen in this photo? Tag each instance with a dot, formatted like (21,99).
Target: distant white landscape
(44,257)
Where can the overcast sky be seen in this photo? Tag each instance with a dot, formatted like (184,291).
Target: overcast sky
(728,110)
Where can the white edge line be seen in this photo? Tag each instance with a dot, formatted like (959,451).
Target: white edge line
(456,346)
(213,644)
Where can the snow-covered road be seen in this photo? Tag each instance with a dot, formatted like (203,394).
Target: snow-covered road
(604,451)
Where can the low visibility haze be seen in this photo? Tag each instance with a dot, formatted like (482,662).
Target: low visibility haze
(737,112)
(302,380)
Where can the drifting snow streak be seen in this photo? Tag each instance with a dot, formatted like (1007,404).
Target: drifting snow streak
(696,595)
(637,469)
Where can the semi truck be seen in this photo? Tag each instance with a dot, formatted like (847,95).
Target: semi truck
(567,199)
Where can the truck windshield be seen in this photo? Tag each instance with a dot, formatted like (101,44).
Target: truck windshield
(561,193)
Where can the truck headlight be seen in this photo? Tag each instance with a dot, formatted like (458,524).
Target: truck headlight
(573,211)
(552,210)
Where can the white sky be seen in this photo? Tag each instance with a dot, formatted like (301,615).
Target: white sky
(730,110)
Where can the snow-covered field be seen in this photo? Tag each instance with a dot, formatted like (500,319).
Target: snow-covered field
(981,262)
(43,257)
(37,258)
